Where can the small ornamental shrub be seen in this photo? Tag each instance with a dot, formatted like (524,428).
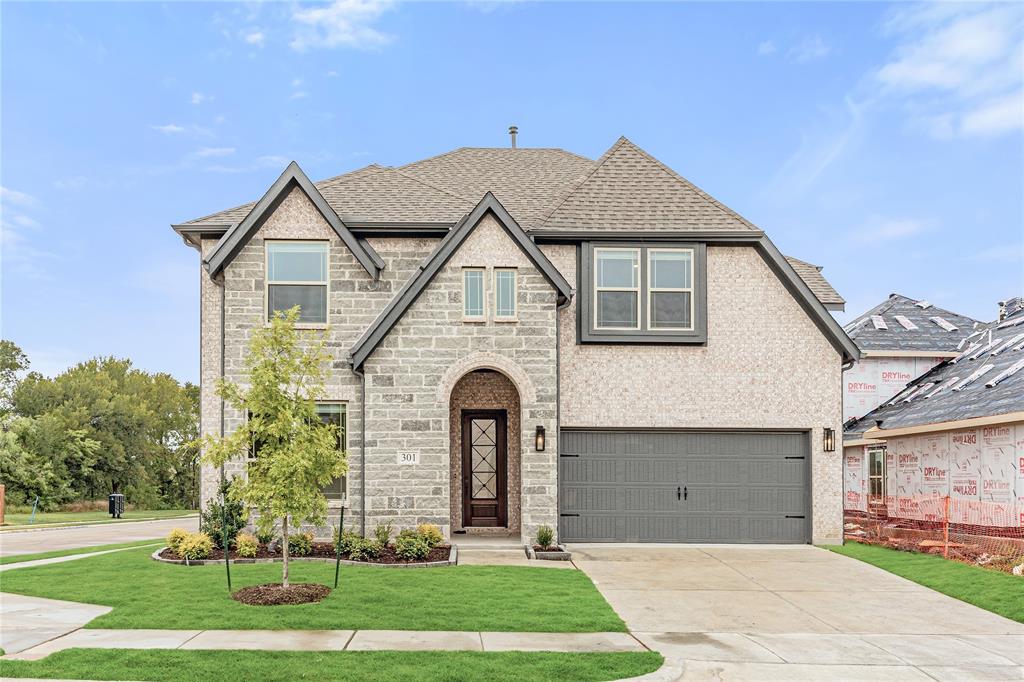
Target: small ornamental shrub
(300,544)
(211,520)
(545,536)
(412,548)
(195,546)
(430,533)
(175,537)
(265,530)
(383,533)
(364,549)
(247,545)
(346,541)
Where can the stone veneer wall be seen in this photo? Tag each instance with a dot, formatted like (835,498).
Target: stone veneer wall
(765,366)
(354,302)
(406,411)
(485,390)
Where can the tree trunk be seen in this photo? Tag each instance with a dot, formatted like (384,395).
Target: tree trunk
(284,551)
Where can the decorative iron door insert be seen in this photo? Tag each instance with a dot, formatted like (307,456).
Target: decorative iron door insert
(484,469)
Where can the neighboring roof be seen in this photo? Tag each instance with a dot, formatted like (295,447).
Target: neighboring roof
(629,189)
(237,236)
(390,316)
(997,391)
(928,335)
(811,275)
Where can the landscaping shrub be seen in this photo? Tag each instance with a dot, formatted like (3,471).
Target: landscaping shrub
(364,549)
(383,533)
(346,541)
(247,545)
(300,544)
(413,548)
(430,533)
(195,546)
(265,528)
(211,521)
(545,536)
(175,537)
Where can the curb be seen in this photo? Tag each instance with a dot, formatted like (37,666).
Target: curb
(453,559)
(93,524)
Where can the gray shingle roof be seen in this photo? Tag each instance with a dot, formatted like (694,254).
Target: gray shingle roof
(811,275)
(928,336)
(631,190)
(974,400)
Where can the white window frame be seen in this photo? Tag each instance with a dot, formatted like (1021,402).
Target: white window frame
(326,283)
(598,289)
(482,317)
(515,295)
(651,290)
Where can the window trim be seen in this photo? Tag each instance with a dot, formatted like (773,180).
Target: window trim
(514,317)
(587,332)
(326,283)
(482,317)
(343,446)
(651,289)
(637,289)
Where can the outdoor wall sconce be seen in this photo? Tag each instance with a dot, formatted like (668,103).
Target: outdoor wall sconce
(539,443)
(830,440)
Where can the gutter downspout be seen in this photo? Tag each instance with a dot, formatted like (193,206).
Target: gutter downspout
(223,326)
(362,449)
(842,452)
(559,307)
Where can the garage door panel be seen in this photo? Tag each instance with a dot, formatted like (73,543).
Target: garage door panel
(741,487)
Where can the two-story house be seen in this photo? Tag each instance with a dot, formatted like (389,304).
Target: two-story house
(527,337)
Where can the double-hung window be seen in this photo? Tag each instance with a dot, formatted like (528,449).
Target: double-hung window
(505,294)
(297,275)
(473,296)
(327,413)
(643,293)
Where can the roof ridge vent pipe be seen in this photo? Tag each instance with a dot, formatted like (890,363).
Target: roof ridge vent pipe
(512,131)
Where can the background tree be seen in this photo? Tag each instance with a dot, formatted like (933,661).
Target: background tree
(295,454)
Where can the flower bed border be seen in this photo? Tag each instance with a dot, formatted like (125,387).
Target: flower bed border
(453,559)
(559,554)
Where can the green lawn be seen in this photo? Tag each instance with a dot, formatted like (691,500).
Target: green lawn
(20,520)
(148,594)
(373,666)
(991,590)
(78,550)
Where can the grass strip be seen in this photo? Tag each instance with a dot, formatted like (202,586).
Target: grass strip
(54,519)
(19,558)
(986,588)
(149,594)
(154,665)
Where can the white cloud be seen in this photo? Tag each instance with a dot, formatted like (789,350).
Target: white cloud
(256,38)
(809,49)
(261,162)
(766,47)
(199,98)
(960,67)
(17,231)
(332,74)
(1007,253)
(212,152)
(169,129)
(300,94)
(13,196)
(296,82)
(880,230)
(343,23)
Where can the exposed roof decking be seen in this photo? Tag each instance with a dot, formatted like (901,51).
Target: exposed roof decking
(894,335)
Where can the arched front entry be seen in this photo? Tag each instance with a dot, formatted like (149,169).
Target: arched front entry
(486,451)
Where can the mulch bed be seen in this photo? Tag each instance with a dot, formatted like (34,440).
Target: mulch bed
(323,550)
(275,594)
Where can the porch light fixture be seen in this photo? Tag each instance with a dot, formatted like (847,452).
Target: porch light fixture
(830,440)
(539,442)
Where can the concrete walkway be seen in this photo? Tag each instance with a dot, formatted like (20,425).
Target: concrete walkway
(69,557)
(796,613)
(48,539)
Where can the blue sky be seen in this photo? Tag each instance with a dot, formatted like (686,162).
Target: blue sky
(883,142)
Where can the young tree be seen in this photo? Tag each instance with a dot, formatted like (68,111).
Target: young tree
(295,454)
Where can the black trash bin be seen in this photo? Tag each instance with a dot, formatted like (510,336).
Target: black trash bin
(115,505)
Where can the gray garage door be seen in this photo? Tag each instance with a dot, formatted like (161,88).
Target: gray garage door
(680,486)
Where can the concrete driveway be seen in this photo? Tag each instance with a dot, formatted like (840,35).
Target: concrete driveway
(13,542)
(796,612)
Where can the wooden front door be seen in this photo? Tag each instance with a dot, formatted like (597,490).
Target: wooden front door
(484,470)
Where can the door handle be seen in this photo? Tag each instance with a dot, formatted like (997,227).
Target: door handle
(684,492)
(677,493)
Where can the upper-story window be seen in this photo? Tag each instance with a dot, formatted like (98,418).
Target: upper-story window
(473,298)
(505,294)
(643,293)
(297,275)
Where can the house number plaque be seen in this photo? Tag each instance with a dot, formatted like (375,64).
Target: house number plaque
(408,458)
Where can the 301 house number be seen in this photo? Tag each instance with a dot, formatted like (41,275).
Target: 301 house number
(408,458)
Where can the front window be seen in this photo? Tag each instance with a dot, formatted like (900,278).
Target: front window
(617,288)
(504,294)
(876,472)
(670,289)
(473,294)
(297,275)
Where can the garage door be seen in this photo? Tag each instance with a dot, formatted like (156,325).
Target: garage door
(682,486)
